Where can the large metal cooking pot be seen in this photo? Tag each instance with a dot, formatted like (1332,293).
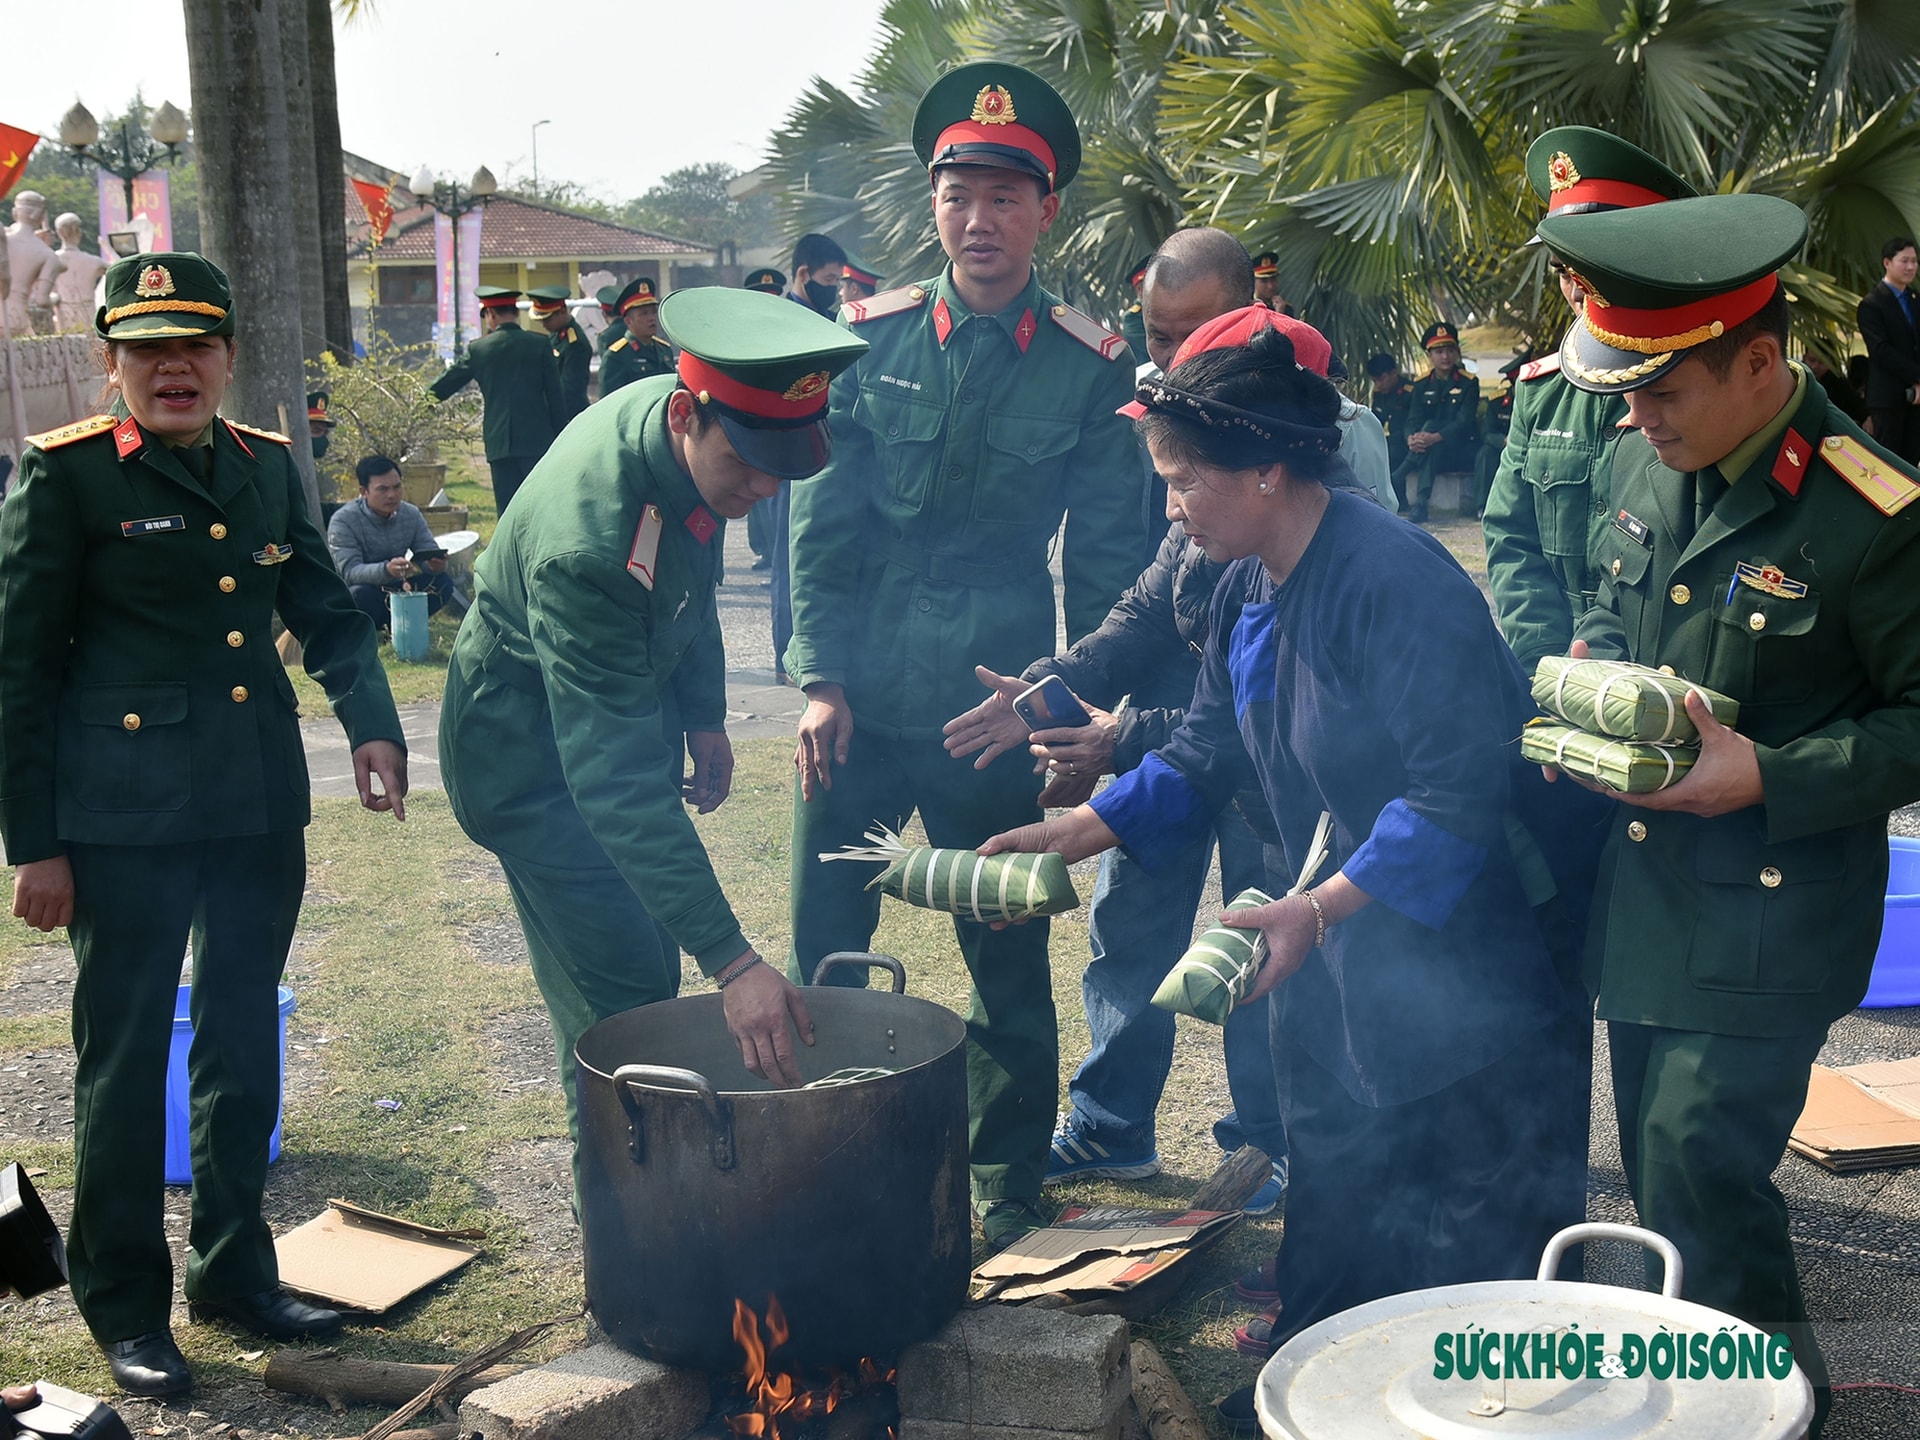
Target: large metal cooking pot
(701,1183)
(1378,1372)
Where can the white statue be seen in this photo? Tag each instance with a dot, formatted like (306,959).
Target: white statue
(73,291)
(33,266)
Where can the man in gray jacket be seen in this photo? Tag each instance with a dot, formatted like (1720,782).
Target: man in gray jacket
(374,541)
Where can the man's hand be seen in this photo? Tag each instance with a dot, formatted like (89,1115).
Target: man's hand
(991,726)
(1064,791)
(1289,925)
(1080,750)
(1073,836)
(438,564)
(712,778)
(43,893)
(1725,778)
(1422,441)
(763,1009)
(399,567)
(388,761)
(826,729)
(19,1397)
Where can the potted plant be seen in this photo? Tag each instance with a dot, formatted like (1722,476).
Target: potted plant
(381,405)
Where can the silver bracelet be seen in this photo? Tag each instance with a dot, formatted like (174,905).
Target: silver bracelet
(739,968)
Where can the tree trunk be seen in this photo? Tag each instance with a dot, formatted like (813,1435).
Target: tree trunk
(331,167)
(303,177)
(246,208)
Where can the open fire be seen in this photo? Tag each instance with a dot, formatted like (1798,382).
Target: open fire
(785,1405)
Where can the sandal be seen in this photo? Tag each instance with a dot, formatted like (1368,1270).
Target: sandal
(1259,1287)
(1256,1336)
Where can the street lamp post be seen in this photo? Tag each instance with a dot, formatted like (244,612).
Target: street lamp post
(535,135)
(166,132)
(450,200)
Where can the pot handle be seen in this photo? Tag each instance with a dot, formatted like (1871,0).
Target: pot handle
(1668,1252)
(865,961)
(674,1081)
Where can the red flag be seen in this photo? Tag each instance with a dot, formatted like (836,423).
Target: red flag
(374,199)
(15,146)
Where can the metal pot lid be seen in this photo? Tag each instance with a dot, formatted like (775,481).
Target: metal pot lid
(1394,1368)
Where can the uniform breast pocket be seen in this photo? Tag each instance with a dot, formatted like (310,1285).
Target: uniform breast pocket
(135,750)
(1763,648)
(1625,562)
(906,439)
(1022,472)
(1559,471)
(1766,912)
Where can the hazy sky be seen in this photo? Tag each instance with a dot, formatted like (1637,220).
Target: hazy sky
(632,89)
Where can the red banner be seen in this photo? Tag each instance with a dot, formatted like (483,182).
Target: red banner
(15,146)
(377,201)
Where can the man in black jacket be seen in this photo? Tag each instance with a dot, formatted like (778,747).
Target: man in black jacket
(1890,324)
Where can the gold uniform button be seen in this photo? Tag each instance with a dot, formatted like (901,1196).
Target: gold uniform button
(1637,831)
(1756,621)
(1668,670)
(1770,877)
(236,639)
(1680,594)
(1616,569)
(239,694)
(217,530)
(130,722)
(228,584)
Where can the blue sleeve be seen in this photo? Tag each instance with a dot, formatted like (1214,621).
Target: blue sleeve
(1154,810)
(1411,865)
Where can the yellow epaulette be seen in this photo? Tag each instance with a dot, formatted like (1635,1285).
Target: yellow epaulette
(79,430)
(1088,331)
(263,434)
(1886,487)
(887,302)
(623,340)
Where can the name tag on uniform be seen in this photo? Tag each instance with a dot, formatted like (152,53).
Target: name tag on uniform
(273,554)
(159,524)
(646,547)
(1632,526)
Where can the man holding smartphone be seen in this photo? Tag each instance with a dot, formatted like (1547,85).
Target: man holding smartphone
(982,412)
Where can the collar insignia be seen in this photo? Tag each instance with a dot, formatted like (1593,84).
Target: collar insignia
(1023,332)
(154,281)
(126,437)
(993,106)
(942,319)
(701,524)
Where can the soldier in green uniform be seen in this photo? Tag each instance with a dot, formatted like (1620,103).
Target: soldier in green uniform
(593,647)
(767,280)
(983,412)
(1763,546)
(153,787)
(1266,283)
(572,355)
(858,281)
(1442,421)
(1495,423)
(519,387)
(760,519)
(1388,402)
(609,298)
(1133,322)
(640,352)
(1548,505)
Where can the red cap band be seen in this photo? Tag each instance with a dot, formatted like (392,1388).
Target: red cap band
(1659,332)
(641,299)
(1013,137)
(544,308)
(500,302)
(809,394)
(1617,193)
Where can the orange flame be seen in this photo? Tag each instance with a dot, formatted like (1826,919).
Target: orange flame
(778,1401)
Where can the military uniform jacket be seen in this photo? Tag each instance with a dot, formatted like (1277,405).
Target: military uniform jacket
(520,386)
(1450,406)
(959,441)
(573,357)
(1391,411)
(593,643)
(142,701)
(1765,921)
(628,360)
(1548,508)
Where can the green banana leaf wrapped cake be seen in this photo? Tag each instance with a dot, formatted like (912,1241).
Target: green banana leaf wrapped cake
(1632,767)
(1218,968)
(1627,701)
(986,888)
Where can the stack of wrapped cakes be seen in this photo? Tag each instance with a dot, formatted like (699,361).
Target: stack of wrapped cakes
(1619,725)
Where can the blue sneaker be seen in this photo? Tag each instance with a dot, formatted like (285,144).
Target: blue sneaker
(1077,1155)
(1267,1198)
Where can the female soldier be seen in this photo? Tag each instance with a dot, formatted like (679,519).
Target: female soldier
(153,783)
(1352,667)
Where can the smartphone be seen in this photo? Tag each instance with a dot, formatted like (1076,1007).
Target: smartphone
(1050,706)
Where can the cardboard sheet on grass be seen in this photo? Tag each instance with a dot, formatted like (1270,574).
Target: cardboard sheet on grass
(1861,1117)
(362,1260)
(1102,1250)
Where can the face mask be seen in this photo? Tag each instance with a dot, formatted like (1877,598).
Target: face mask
(320,445)
(824,298)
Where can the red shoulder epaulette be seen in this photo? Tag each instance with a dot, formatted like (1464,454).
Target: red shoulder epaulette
(79,430)
(887,302)
(1088,331)
(1545,365)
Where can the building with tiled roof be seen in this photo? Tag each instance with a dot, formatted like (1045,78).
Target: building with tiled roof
(523,244)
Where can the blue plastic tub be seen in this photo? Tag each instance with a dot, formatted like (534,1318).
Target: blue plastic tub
(408,611)
(1896,968)
(179,1117)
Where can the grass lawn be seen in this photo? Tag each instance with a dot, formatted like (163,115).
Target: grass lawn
(411,986)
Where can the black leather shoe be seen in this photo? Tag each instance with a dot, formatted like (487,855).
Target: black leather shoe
(271,1313)
(149,1364)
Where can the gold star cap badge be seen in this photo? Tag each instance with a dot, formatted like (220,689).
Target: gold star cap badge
(155,280)
(993,106)
(1562,173)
